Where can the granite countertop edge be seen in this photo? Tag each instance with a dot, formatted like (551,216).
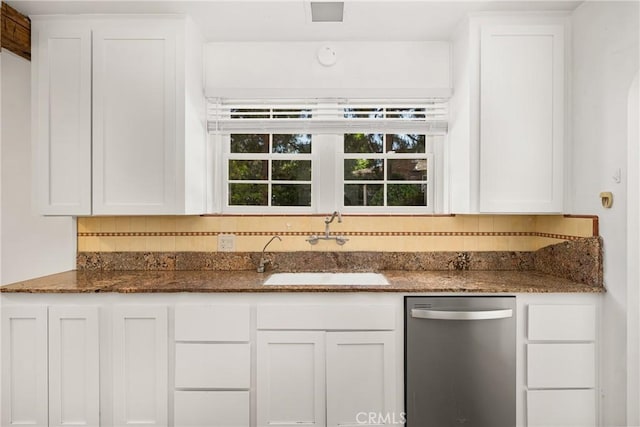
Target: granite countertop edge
(437,281)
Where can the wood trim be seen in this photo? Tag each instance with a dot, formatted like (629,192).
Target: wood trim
(351,214)
(596,222)
(16,32)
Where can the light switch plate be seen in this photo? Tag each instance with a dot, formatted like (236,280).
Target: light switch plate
(226,242)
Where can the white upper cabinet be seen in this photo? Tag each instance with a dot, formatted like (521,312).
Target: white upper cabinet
(521,118)
(507,129)
(61,117)
(134,118)
(119,116)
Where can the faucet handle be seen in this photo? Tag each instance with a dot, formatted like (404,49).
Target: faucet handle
(341,240)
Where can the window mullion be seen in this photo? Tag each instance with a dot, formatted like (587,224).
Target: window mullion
(269,173)
(248,181)
(289,182)
(385,171)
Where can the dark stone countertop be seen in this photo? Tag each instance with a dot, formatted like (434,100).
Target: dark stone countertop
(250,281)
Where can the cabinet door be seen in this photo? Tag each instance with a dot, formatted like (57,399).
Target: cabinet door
(61,117)
(521,118)
(24,366)
(134,118)
(74,388)
(290,378)
(140,366)
(361,378)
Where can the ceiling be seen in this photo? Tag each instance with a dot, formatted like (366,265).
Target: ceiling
(289,20)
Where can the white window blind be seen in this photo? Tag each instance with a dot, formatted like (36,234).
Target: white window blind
(409,116)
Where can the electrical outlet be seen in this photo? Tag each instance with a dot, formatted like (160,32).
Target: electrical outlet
(226,242)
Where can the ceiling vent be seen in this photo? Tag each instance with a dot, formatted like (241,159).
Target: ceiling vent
(324,11)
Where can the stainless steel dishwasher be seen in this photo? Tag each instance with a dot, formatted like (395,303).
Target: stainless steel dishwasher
(460,361)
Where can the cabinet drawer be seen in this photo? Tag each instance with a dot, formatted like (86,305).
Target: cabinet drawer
(326,317)
(212,322)
(562,322)
(212,408)
(561,365)
(561,408)
(213,365)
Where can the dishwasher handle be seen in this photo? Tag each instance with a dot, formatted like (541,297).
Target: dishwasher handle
(461,315)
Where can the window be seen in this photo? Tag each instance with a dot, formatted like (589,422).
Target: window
(269,170)
(305,158)
(386,170)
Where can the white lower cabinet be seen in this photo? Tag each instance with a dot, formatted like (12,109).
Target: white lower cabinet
(564,408)
(325,364)
(50,360)
(24,365)
(560,348)
(211,408)
(140,365)
(74,361)
(320,378)
(291,378)
(262,360)
(360,377)
(212,365)
(565,365)
(220,365)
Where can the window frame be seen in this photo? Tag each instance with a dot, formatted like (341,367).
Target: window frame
(385,156)
(226,156)
(327,164)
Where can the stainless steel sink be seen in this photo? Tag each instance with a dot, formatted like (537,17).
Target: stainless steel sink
(326,279)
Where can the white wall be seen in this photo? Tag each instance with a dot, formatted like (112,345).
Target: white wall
(605,62)
(32,245)
(633,247)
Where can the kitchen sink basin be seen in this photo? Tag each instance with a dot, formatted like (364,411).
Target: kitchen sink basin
(326,279)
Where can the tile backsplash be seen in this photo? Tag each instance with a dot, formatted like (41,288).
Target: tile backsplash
(365,232)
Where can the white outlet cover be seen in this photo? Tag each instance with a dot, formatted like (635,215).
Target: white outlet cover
(226,242)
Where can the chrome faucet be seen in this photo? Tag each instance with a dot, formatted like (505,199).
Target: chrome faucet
(264,261)
(341,240)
